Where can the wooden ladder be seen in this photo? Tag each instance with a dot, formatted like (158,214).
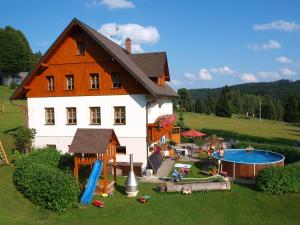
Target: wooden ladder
(3,157)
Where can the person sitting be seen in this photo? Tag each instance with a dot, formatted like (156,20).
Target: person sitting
(249,149)
(221,152)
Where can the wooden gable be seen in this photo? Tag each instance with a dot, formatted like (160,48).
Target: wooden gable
(63,60)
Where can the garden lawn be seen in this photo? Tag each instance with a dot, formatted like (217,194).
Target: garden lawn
(245,129)
(10,119)
(242,205)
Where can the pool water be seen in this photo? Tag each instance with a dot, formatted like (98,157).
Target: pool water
(249,157)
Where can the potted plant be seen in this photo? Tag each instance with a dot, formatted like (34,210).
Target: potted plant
(212,170)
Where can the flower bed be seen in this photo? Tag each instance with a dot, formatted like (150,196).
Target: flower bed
(165,120)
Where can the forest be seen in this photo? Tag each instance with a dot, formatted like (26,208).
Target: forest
(278,100)
(15,52)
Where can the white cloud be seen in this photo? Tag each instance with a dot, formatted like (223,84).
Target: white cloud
(248,77)
(283,59)
(175,82)
(268,75)
(204,74)
(282,25)
(270,44)
(190,76)
(137,33)
(223,70)
(287,72)
(111,4)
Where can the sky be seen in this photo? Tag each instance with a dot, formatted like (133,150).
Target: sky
(208,43)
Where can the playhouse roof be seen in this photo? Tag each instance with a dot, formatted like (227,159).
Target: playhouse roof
(92,141)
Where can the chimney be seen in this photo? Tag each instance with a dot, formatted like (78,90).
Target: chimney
(128,44)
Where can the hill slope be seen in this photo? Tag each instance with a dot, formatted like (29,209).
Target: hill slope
(277,89)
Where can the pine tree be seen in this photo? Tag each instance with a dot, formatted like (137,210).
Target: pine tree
(223,107)
(15,52)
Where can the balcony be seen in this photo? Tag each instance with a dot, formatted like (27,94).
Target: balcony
(162,126)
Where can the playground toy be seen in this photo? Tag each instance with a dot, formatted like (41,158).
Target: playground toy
(186,191)
(3,157)
(144,199)
(98,203)
(95,148)
(104,195)
(176,176)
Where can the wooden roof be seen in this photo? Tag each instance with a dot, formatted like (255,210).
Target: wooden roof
(92,141)
(153,63)
(117,52)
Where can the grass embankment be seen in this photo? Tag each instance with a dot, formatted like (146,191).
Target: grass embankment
(12,118)
(269,131)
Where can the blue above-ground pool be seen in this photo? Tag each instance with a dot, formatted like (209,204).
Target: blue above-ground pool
(246,164)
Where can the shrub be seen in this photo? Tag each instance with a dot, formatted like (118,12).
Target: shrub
(23,139)
(278,180)
(39,179)
(48,155)
(292,154)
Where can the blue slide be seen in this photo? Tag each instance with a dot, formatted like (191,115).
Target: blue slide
(92,183)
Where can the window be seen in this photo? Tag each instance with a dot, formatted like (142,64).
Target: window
(121,150)
(51,146)
(49,116)
(95,116)
(120,117)
(94,77)
(80,48)
(116,80)
(50,80)
(70,82)
(71,116)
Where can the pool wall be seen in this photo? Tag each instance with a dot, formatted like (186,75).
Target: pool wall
(241,170)
(246,170)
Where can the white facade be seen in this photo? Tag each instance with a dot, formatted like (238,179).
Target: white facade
(132,135)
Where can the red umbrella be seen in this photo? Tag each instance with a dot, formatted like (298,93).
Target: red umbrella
(193,133)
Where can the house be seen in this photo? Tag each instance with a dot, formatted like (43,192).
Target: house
(85,80)
(17,78)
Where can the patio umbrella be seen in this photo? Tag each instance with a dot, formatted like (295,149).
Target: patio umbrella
(192,133)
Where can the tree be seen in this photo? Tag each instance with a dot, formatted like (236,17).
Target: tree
(199,106)
(181,121)
(292,109)
(223,108)
(184,100)
(15,52)
(23,139)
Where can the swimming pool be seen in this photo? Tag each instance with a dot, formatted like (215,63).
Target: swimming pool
(240,163)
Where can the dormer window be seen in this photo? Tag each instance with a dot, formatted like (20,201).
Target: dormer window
(80,48)
(94,78)
(50,83)
(69,82)
(116,80)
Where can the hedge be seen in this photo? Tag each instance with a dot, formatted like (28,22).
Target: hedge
(292,154)
(278,180)
(49,156)
(43,183)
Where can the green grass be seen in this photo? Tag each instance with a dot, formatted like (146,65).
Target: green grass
(268,131)
(10,119)
(242,205)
